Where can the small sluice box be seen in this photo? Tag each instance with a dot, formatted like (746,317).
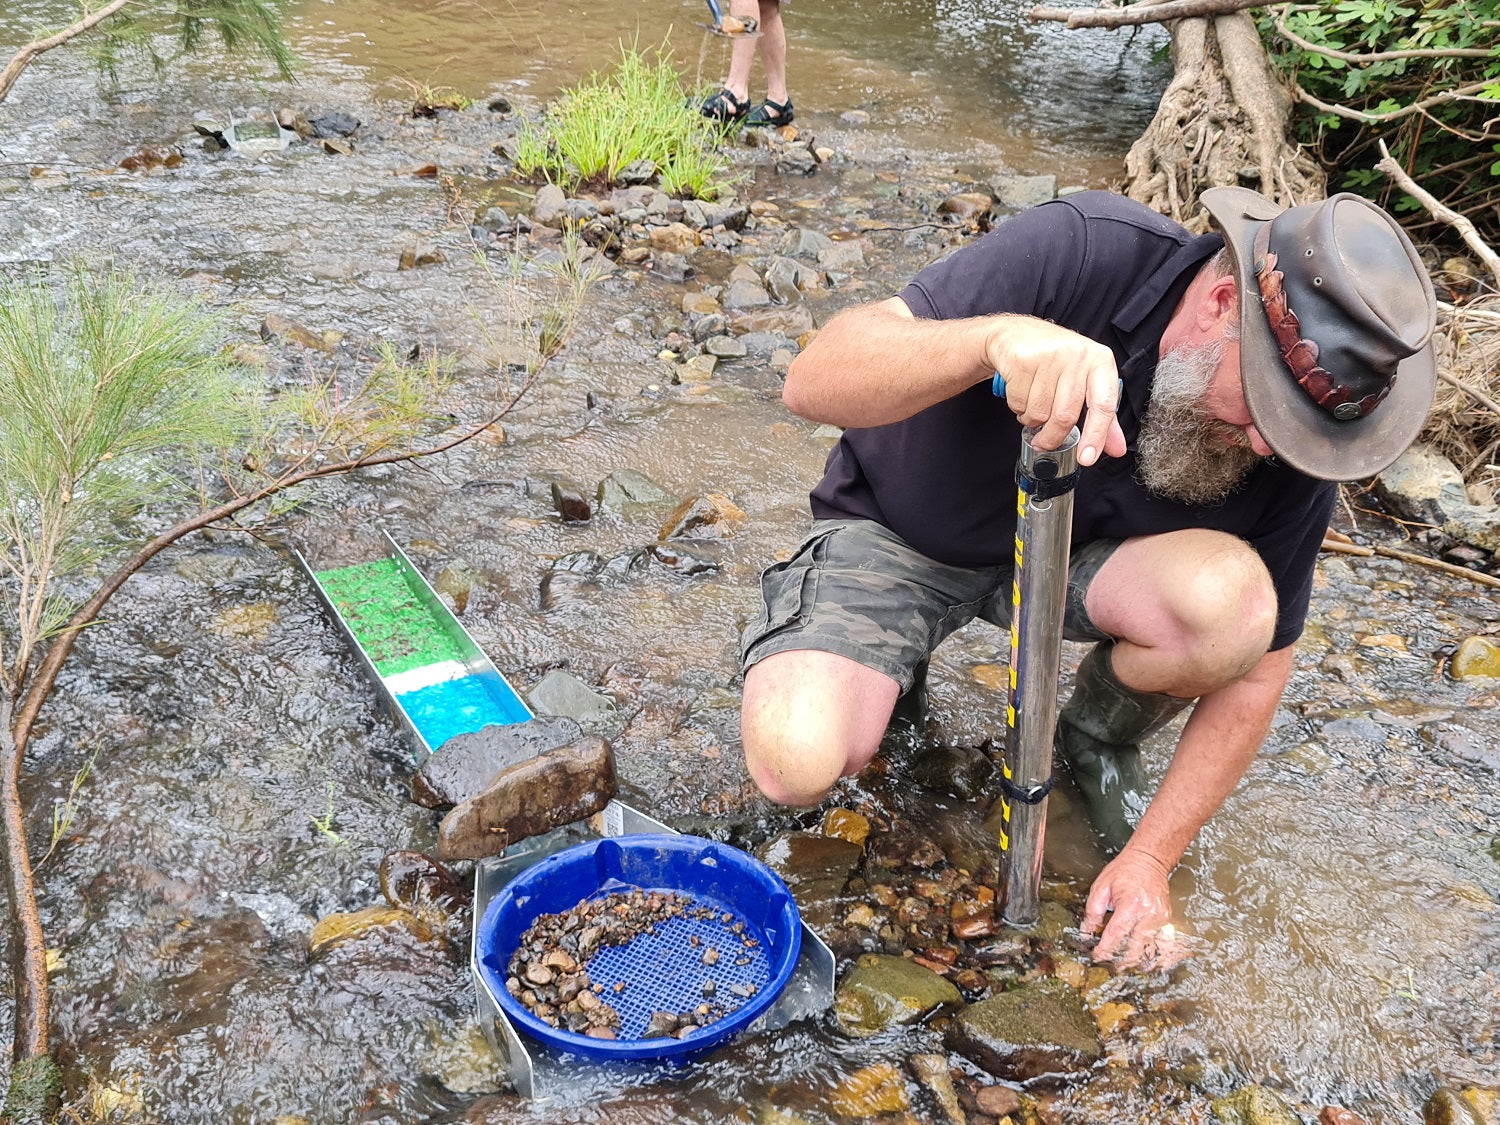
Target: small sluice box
(433,677)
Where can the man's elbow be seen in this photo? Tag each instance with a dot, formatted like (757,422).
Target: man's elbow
(796,393)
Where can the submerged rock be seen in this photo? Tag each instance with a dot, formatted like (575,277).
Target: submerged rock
(815,867)
(1041,1029)
(420,885)
(846,824)
(536,796)
(560,693)
(1476,657)
(882,991)
(334,930)
(1448,1106)
(465,1063)
(627,491)
(1255,1105)
(870,1091)
(711,516)
(932,1071)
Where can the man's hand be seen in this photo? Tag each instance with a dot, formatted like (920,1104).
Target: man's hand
(1050,373)
(1134,887)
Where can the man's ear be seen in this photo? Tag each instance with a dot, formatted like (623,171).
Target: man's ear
(1221,301)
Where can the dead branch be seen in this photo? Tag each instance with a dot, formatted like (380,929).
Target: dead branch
(29,962)
(1461,93)
(1338,547)
(28,54)
(1473,392)
(1142,13)
(1471,236)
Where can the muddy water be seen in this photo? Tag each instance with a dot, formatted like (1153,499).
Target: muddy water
(1342,904)
(963,78)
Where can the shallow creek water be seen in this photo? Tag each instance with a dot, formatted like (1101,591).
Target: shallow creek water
(1342,904)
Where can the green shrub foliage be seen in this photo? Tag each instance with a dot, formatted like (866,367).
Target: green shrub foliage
(1422,76)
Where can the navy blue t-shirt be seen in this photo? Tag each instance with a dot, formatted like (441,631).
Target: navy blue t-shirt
(1110,269)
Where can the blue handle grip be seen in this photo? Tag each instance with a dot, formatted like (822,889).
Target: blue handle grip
(997,386)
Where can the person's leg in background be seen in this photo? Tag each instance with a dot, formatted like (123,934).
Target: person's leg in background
(777,107)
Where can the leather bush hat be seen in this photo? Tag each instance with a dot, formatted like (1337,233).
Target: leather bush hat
(1336,320)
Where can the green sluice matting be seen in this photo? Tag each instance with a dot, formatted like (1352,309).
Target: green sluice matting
(391,625)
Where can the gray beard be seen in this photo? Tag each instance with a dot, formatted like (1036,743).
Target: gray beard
(1184,453)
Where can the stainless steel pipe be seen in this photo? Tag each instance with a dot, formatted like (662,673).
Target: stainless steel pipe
(1044,534)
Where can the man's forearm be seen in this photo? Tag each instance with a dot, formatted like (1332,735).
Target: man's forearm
(876,364)
(1221,739)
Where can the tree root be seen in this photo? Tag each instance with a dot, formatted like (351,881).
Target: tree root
(1222,122)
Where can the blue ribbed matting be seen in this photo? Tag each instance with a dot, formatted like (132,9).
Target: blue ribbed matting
(664,971)
(461,706)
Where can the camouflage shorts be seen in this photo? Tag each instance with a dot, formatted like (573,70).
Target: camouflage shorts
(857,589)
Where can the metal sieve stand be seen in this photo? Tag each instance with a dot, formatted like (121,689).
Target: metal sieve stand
(1044,529)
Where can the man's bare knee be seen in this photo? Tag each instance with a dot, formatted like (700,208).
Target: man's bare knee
(1226,609)
(1193,610)
(809,718)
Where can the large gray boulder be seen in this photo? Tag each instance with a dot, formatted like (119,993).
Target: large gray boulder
(1425,487)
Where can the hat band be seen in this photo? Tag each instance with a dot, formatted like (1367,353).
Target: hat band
(1300,354)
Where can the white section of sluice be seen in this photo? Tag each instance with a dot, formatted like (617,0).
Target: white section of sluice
(426,676)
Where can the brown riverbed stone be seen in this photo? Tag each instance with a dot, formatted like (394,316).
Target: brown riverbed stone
(711,516)
(870,1091)
(336,929)
(883,991)
(1041,1028)
(1476,657)
(845,824)
(464,766)
(998,1101)
(1254,1105)
(1448,1106)
(536,796)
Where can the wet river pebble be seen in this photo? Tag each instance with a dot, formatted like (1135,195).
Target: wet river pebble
(548,972)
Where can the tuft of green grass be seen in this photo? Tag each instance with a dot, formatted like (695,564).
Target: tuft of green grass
(639,110)
(426,100)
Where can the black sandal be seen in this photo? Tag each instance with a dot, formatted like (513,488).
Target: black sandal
(724,107)
(771,113)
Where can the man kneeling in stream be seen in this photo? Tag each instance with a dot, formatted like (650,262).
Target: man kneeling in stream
(1222,382)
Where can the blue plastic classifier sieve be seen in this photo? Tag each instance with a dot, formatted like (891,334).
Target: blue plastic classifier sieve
(662,971)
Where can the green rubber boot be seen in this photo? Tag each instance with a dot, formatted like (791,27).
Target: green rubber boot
(911,706)
(1098,737)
